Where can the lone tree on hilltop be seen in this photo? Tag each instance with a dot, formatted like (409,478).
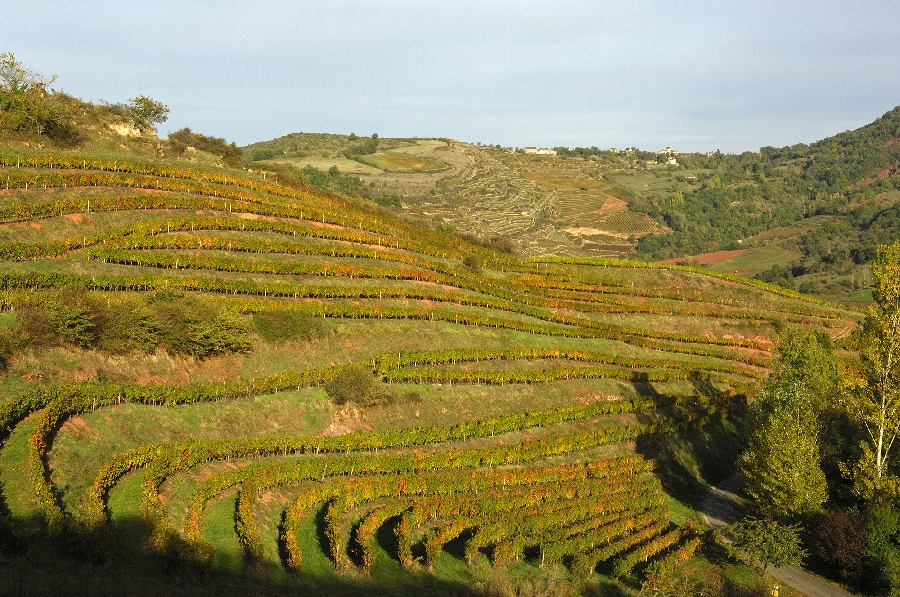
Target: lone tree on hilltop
(17,78)
(148,109)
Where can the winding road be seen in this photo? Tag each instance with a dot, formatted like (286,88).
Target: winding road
(719,511)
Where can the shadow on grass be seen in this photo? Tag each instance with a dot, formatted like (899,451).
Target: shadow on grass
(49,567)
(689,463)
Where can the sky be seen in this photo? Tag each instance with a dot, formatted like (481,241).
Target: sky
(696,76)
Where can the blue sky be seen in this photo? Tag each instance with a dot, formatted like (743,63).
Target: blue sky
(694,75)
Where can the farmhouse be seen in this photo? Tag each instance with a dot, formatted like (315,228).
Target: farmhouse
(541,151)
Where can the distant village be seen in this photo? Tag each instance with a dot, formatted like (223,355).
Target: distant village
(541,151)
(670,155)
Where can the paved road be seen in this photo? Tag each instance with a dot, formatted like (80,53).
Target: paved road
(719,511)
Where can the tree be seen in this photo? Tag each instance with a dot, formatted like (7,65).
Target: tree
(875,396)
(18,79)
(768,543)
(28,106)
(782,459)
(148,109)
(841,543)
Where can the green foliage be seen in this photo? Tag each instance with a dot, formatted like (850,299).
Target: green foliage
(875,401)
(882,553)
(127,325)
(16,78)
(744,195)
(28,106)
(188,326)
(332,180)
(782,458)
(263,153)
(356,384)
(282,326)
(148,109)
(36,329)
(806,360)
(779,275)
(768,543)
(388,200)
(74,323)
(226,332)
(366,147)
(473,262)
(180,140)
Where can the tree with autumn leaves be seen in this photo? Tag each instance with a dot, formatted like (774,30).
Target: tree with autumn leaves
(873,395)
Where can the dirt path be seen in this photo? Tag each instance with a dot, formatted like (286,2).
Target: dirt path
(719,511)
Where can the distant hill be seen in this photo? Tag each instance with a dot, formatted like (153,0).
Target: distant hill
(826,206)
(806,216)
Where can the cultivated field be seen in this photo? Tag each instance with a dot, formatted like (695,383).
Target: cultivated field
(360,404)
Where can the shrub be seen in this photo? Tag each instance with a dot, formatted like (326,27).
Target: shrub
(840,542)
(388,200)
(175,314)
(74,324)
(281,326)
(180,140)
(353,384)
(188,325)
(35,327)
(127,326)
(228,332)
(473,262)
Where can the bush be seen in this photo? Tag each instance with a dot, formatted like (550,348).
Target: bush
(75,324)
(35,328)
(227,332)
(882,554)
(180,140)
(350,385)
(56,322)
(175,314)
(281,326)
(840,542)
(127,326)
(356,384)
(188,325)
(473,262)
(388,200)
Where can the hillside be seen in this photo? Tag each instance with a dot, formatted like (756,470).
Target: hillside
(805,217)
(531,204)
(222,380)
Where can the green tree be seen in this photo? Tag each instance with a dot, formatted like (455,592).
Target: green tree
(16,78)
(781,460)
(768,543)
(874,398)
(28,106)
(782,457)
(148,109)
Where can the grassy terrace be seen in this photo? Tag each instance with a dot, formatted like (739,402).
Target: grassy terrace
(491,379)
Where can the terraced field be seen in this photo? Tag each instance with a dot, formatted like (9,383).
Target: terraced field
(511,399)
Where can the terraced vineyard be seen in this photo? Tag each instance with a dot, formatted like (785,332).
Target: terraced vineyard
(510,403)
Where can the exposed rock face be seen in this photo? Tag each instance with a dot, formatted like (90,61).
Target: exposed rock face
(126,129)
